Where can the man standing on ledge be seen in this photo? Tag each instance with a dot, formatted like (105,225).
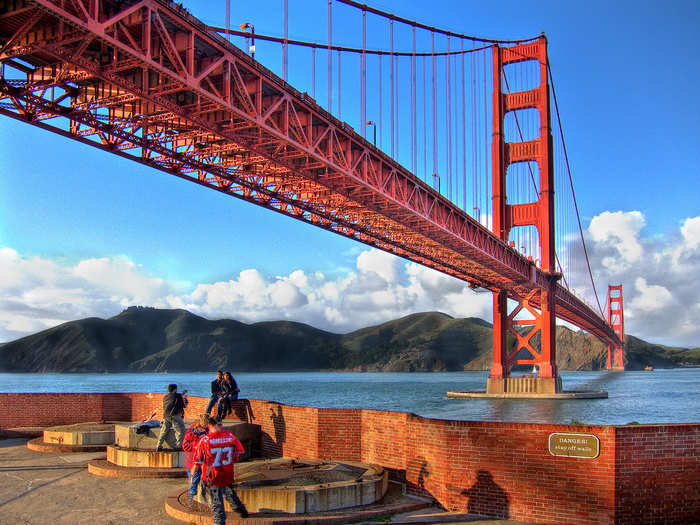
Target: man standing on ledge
(215,391)
(173,417)
(218,451)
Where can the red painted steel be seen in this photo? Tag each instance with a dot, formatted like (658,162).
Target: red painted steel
(539,305)
(616,319)
(147,81)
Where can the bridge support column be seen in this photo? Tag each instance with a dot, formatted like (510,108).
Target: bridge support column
(534,316)
(532,319)
(616,319)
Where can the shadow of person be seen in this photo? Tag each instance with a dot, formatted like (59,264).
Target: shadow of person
(418,469)
(243,410)
(279,425)
(486,497)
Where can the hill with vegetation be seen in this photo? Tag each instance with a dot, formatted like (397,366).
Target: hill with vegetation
(142,339)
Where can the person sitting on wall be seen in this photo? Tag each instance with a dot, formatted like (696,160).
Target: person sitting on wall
(218,450)
(230,390)
(173,418)
(192,435)
(215,391)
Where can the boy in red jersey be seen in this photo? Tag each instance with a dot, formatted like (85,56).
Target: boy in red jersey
(218,451)
(192,436)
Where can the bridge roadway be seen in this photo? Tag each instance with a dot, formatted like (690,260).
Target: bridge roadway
(147,81)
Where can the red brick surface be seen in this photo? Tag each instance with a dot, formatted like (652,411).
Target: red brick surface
(644,474)
(657,476)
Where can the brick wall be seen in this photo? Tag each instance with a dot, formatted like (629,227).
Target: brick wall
(657,474)
(644,474)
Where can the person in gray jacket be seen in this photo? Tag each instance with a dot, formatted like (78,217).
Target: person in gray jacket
(173,418)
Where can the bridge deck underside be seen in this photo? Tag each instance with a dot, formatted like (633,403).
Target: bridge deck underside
(148,82)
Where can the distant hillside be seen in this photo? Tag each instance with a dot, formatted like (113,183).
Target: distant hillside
(147,339)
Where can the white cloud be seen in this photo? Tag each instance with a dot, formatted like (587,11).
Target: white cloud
(620,232)
(40,292)
(691,233)
(662,301)
(649,298)
(661,298)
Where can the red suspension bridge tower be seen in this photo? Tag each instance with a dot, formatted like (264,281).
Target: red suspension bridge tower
(617,321)
(540,214)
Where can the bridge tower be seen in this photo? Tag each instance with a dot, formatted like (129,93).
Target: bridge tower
(617,321)
(538,306)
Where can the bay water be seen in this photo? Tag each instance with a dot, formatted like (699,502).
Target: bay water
(661,396)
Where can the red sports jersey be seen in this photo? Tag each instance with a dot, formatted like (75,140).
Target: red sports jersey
(218,452)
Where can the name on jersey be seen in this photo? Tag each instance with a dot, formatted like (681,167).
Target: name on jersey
(220,441)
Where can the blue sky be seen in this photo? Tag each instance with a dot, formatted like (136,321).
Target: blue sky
(625,74)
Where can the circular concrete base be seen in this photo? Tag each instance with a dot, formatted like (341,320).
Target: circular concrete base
(99,433)
(308,486)
(101,467)
(149,458)
(39,445)
(177,506)
(595,394)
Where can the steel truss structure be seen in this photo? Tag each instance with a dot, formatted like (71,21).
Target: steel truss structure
(147,81)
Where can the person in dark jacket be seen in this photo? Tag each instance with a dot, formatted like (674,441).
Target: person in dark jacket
(229,393)
(215,391)
(173,418)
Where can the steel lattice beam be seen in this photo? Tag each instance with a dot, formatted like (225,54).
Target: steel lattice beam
(147,81)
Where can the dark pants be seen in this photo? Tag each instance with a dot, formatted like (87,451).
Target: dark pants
(212,401)
(224,407)
(215,496)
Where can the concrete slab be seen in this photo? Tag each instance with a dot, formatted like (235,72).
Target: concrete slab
(394,502)
(597,394)
(86,434)
(56,489)
(125,436)
(293,486)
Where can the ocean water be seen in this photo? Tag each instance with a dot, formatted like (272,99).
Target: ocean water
(661,396)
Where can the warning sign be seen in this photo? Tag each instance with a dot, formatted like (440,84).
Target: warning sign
(574,445)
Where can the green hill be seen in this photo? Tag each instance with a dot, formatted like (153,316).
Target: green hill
(147,339)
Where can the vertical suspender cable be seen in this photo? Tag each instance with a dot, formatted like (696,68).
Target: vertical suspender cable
(339,84)
(285,47)
(414,158)
(475,173)
(391,75)
(433,71)
(313,72)
(363,76)
(228,21)
(464,135)
(330,56)
(381,118)
(397,111)
(489,222)
(448,123)
(425,124)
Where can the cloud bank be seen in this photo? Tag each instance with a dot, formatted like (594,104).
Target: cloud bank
(662,300)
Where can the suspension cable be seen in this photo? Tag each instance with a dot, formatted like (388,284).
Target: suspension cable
(345,49)
(417,24)
(573,193)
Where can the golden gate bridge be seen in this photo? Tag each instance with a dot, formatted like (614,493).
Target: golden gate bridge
(466,171)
